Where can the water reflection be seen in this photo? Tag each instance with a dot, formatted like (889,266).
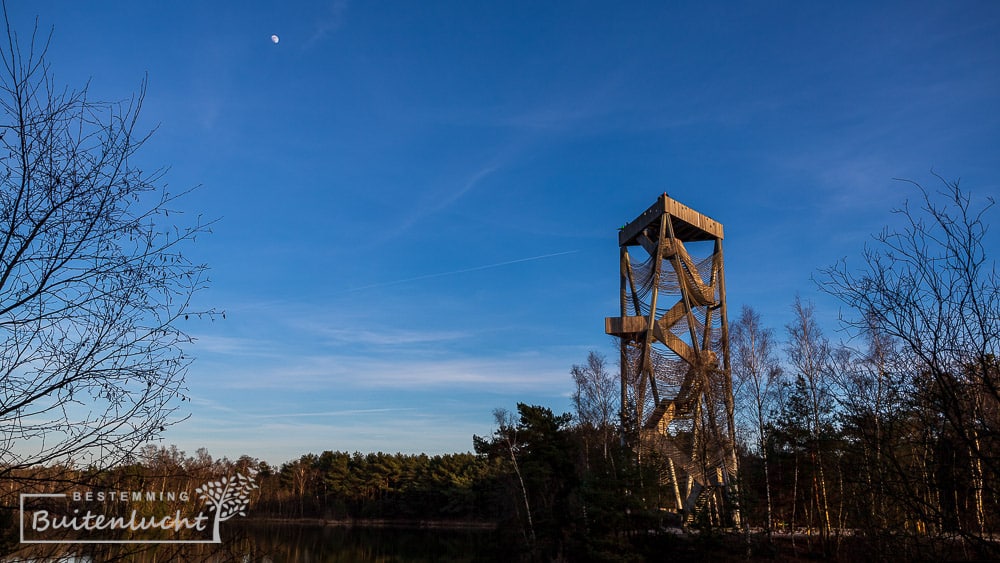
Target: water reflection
(269,543)
(279,544)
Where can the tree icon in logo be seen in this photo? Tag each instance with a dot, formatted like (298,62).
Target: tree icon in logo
(228,498)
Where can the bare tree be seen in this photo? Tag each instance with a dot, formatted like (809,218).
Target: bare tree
(757,374)
(932,288)
(93,281)
(596,397)
(871,387)
(810,358)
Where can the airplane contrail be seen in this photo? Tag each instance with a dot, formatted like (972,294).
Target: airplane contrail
(462,271)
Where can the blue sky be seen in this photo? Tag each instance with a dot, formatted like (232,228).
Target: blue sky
(418,201)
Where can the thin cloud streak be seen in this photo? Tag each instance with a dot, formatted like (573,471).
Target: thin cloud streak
(348,412)
(388,337)
(317,373)
(425,210)
(462,271)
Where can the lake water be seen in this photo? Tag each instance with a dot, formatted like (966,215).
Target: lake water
(284,543)
(280,544)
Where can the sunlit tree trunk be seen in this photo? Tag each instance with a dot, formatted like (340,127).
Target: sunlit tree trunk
(507,429)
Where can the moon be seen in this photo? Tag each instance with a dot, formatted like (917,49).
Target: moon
(274,39)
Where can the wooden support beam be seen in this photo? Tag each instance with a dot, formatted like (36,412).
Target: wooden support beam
(676,345)
(646,243)
(634,328)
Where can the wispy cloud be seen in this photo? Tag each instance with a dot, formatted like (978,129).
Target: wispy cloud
(347,412)
(230,345)
(328,22)
(461,271)
(206,404)
(441,199)
(321,373)
(390,337)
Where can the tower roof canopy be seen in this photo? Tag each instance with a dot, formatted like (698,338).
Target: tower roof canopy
(688,224)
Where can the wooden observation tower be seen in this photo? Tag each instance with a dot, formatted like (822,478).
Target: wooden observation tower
(676,382)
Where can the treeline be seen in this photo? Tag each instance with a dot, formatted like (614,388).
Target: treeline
(332,486)
(343,486)
(552,487)
(841,443)
(892,438)
(545,485)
